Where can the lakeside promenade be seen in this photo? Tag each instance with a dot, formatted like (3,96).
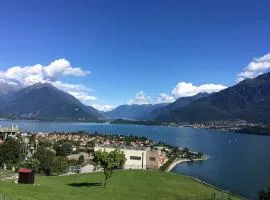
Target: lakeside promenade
(180,160)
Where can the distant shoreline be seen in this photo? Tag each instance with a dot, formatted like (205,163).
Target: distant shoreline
(147,123)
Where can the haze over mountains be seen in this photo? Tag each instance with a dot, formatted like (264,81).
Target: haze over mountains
(7,88)
(248,100)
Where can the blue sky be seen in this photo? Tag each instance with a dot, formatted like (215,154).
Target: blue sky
(133,46)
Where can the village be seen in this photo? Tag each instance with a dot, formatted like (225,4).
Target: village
(73,151)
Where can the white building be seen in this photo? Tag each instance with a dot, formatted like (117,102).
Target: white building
(12,131)
(135,158)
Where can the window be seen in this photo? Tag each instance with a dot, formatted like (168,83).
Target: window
(135,158)
(152,158)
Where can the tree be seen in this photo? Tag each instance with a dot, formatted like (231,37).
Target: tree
(81,160)
(200,154)
(1,162)
(186,150)
(109,161)
(32,139)
(30,163)
(63,148)
(90,144)
(45,157)
(60,164)
(265,195)
(45,143)
(10,151)
(73,162)
(90,151)
(90,147)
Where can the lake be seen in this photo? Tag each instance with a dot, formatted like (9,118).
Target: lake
(237,162)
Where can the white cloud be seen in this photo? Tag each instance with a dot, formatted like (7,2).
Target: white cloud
(63,67)
(164,98)
(140,98)
(184,89)
(255,68)
(84,97)
(28,75)
(103,107)
(77,90)
(71,87)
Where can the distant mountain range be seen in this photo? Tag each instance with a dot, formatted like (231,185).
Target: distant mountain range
(44,101)
(134,111)
(248,100)
(167,110)
(150,111)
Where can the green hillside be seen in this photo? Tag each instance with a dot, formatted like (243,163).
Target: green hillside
(131,184)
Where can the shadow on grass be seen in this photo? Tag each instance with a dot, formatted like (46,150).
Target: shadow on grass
(85,184)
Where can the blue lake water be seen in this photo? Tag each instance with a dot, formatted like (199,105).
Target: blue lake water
(239,163)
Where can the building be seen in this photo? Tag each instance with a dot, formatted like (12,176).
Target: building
(86,156)
(155,159)
(6,132)
(135,157)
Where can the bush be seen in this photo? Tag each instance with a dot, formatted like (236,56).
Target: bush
(81,160)
(60,164)
(31,163)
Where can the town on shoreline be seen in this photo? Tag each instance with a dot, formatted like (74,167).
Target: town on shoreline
(76,149)
(234,126)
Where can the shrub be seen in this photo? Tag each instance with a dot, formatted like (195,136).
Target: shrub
(31,163)
(60,164)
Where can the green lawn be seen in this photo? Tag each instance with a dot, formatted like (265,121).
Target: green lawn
(123,185)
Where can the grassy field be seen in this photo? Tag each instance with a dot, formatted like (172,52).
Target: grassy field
(123,185)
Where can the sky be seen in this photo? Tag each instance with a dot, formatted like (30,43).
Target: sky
(108,53)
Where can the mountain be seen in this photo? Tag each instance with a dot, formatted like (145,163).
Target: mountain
(248,100)
(134,111)
(165,111)
(44,101)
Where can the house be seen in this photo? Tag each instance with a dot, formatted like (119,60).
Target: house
(135,157)
(12,131)
(155,159)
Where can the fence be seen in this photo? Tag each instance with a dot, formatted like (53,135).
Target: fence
(210,196)
(206,196)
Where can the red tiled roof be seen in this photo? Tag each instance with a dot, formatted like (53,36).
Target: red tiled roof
(25,170)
